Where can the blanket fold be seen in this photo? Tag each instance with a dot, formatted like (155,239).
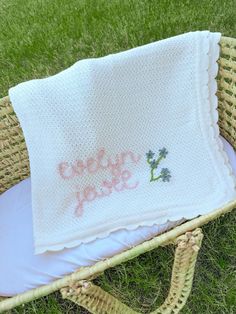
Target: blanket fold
(125,140)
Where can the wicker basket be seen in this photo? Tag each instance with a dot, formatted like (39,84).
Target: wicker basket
(78,286)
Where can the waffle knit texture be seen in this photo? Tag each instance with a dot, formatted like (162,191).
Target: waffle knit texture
(125,140)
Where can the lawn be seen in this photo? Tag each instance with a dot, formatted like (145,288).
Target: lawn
(41,38)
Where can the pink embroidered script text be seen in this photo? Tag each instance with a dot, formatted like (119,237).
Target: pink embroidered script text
(119,181)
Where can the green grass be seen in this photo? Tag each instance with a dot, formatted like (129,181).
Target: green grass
(41,38)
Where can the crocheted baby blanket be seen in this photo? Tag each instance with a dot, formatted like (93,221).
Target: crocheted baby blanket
(125,140)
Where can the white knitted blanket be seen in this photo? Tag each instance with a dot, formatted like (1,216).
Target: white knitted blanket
(126,140)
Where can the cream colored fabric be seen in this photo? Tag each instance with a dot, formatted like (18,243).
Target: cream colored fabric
(125,140)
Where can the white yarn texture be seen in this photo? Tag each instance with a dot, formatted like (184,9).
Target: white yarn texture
(92,131)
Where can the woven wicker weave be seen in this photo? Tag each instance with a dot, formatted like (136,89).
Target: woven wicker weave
(14,161)
(78,287)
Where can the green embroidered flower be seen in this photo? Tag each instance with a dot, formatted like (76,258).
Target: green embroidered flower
(163,152)
(165,174)
(154,163)
(150,154)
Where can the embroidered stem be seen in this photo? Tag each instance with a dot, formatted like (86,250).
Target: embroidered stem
(152,176)
(158,161)
(149,161)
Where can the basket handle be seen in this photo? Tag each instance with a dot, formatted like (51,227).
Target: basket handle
(98,301)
